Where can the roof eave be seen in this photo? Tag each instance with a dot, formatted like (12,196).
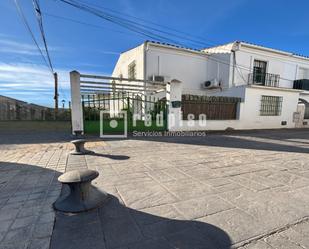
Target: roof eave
(248,45)
(156,44)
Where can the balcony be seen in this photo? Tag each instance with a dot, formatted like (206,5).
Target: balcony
(302,84)
(264,79)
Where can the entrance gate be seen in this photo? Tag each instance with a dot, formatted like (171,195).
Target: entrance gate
(138,104)
(119,109)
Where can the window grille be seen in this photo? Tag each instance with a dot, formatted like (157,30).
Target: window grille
(271,106)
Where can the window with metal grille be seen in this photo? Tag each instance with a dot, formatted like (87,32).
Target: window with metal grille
(132,70)
(271,106)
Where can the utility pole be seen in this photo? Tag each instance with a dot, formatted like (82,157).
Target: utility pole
(56,94)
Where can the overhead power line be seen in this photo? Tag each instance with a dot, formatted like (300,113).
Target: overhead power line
(37,8)
(196,39)
(84,23)
(25,22)
(38,14)
(47,62)
(146,30)
(135,27)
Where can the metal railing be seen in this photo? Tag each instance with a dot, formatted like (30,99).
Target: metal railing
(302,84)
(264,79)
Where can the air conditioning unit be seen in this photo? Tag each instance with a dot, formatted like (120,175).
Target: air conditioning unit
(157,78)
(210,84)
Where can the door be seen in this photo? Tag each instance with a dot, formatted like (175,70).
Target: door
(259,72)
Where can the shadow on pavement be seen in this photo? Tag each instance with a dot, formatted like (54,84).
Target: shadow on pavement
(26,193)
(113,157)
(29,132)
(33,137)
(271,140)
(117,226)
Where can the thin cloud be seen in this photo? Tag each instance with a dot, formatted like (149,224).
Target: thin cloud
(32,80)
(13,47)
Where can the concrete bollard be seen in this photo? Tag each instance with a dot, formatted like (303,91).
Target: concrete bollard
(82,196)
(80,147)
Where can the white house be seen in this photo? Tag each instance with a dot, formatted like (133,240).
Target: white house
(270,82)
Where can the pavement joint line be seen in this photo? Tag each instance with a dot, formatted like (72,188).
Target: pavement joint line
(37,217)
(237,164)
(269,233)
(161,184)
(121,197)
(216,194)
(267,187)
(292,174)
(199,217)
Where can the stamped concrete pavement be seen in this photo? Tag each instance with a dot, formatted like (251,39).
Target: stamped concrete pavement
(30,163)
(238,190)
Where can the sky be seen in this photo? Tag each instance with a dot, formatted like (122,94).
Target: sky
(94,48)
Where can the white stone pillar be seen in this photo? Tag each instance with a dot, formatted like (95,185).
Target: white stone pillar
(173,96)
(76,103)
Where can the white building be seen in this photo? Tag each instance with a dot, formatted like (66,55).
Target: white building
(263,78)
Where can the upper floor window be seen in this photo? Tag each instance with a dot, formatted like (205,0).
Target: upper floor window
(271,105)
(259,72)
(132,70)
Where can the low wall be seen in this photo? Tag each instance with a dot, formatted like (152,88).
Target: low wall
(11,126)
(249,113)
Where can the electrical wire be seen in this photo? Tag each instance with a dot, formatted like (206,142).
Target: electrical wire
(38,12)
(130,25)
(84,23)
(133,26)
(176,33)
(37,8)
(25,22)
(141,31)
(120,21)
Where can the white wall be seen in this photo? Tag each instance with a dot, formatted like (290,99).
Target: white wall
(250,115)
(286,66)
(121,68)
(194,68)
(189,68)
(238,91)
(219,67)
(249,112)
(303,73)
(135,54)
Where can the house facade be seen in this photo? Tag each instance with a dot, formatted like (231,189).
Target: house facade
(272,84)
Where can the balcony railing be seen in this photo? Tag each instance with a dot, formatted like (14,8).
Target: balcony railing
(302,84)
(264,79)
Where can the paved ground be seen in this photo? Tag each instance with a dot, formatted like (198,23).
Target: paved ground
(242,190)
(30,163)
